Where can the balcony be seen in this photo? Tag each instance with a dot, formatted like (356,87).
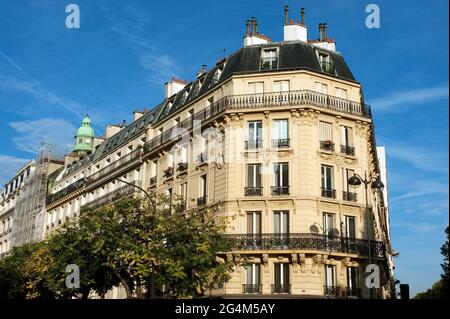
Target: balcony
(281,143)
(279,190)
(253,191)
(305,241)
(281,288)
(327,67)
(116,166)
(269,63)
(327,146)
(349,196)
(51,198)
(348,150)
(113,196)
(251,145)
(328,193)
(258,100)
(331,291)
(201,201)
(252,288)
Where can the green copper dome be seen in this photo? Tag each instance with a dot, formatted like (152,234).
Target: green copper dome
(84,137)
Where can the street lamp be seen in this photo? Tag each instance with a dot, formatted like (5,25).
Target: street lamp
(356,180)
(152,275)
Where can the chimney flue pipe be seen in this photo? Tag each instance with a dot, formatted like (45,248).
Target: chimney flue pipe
(302,16)
(286,15)
(325,31)
(247,28)
(253,26)
(320,31)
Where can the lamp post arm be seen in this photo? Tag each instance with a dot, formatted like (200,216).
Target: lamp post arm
(138,187)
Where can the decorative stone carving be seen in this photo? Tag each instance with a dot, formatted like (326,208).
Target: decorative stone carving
(302,261)
(265,260)
(295,265)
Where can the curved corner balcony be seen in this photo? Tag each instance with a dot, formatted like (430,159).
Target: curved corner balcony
(306,241)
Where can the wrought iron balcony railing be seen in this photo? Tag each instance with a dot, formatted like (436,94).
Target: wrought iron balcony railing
(332,291)
(281,143)
(328,193)
(182,166)
(51,198)
(253,191)
(281,288)
(258,100)
(349,196)
(168,172)
(327,146)
(305,241)
(113,196)
(279,190)
(201,200)
(252,288)
(348,150)
(115,166)
(255,144)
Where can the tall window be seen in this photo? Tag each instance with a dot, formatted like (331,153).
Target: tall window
(254,134)
(254,185)
(347,140)
(326,136)
(281,179)
(281,223)
(352,281)
(330,279)
(327,181)
(328,224)
(269,59)
(350,228)
(204,186)
(280,133)
(253,223)
(256,87)
(347,192)
(183,191)
(253,280)
(281,278)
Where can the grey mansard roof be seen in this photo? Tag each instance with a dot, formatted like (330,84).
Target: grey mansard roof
(292,56)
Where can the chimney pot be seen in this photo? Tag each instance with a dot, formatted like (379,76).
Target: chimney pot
(286,15)
(302,16)
(253,31)
(325,31)
(247,28)
(320,31)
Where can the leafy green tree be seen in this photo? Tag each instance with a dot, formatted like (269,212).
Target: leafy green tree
(13,277)
(445,252)
(188,261)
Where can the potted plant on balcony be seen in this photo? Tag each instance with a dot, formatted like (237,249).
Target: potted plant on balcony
(182,166)
(168,172)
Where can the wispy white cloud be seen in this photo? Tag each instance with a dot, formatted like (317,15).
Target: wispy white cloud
(416,227)
(8,166)
(425,158)
(35,88)
(130,25)
(31,133)
(407,98)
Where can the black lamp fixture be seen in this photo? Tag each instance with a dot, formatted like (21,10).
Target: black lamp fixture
(357,180)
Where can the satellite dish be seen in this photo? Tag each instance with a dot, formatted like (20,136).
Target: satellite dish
(314,229)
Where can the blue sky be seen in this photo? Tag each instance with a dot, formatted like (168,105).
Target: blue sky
(123,53)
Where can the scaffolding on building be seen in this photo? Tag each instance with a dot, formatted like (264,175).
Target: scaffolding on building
(29,216)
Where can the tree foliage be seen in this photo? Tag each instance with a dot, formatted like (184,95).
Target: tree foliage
(138,243)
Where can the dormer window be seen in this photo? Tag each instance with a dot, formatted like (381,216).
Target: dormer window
(183,97)
(269,59)
(216,77)
(325,63)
